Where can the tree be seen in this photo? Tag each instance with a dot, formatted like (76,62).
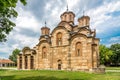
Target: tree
(116,53)
(7,12)
(13,57)
(105,55)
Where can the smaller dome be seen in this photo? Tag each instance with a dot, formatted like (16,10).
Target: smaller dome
(84,21)
(45,30)
(84,17)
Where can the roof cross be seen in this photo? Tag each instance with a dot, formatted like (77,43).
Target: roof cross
(45,23)
(67,7)
(83,12)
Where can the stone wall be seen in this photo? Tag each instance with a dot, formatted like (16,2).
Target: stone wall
(51,55)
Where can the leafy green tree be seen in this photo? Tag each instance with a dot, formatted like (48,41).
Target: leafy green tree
(7,12)
(13,57)
(116,53)
(105,54)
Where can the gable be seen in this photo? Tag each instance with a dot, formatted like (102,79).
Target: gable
(84,31)
(57,28)
(78,35)
(66,25)
(26,50)
(65,36)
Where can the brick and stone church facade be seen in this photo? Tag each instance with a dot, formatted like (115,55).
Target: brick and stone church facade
(69,46)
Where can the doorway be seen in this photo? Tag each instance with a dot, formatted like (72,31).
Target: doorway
(59,64)
(32,62)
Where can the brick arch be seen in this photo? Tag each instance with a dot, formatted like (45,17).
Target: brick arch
(43,41)
(57,28)
(77,36)
(42,44)
(84,29)
(25,48)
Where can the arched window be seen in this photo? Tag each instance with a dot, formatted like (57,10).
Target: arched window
(59,39)
(32,62)
(65,17)
(86,22)
(78,49)
(20,62)
(44,52)
(59,64)
(26,62)
(70,18)
(46,32)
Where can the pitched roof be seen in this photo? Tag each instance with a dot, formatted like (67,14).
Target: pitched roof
(6,61)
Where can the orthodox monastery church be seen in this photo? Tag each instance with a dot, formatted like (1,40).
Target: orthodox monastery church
(69,46)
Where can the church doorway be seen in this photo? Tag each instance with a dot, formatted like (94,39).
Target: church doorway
(26,62)
(59,64)
(32,62)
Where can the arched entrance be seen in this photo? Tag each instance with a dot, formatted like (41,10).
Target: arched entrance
(32,62)
(20,62)
(59,64)
(26,62)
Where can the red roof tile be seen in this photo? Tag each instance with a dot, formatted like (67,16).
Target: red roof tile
(6,61)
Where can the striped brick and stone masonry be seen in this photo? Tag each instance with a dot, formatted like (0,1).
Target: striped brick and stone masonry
(69,46)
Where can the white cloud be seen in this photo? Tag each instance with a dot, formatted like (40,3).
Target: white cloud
(53,9)
(99,17)
(115,39)
(16,39)
(27,20)
(5,48)
(72,3)
(53,12)
(24,40)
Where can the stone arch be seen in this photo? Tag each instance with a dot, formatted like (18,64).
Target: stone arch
(78,36)
(25,49)
(60,26)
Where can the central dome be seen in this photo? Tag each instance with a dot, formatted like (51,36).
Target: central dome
(68,16)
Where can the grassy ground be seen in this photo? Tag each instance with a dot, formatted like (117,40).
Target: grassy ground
(112,68)
(55,75)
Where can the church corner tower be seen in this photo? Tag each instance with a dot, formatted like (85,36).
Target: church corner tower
(45,34)
(84,21)
(45,30)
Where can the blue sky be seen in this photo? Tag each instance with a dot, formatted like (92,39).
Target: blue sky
(104,17)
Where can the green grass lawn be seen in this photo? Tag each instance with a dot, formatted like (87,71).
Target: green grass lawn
(55,75)
(112,68)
